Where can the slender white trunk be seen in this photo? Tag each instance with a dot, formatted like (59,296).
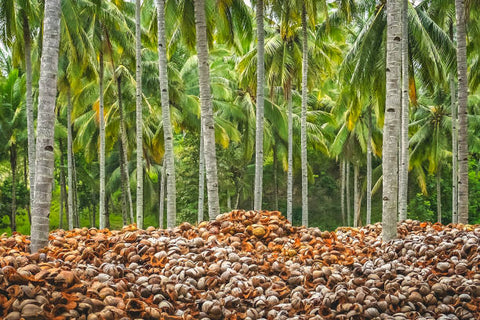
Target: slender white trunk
(229,201)
(303,135)
(29,106)
(453,105)
(462,113)
(123,150)
(356,210)
(201,177)
(348,193)
(439,196)
(167,124)
(342,191)
(70,162)
(161,196)
(47,93)
(257,205)
(290,158)
(101,116)
(391,125)
(206,110)
(139,114)
(404,145)
(369,168)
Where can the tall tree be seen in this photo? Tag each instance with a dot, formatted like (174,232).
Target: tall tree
(139,113)
(44,161)
(391,125)
(403,168)
(167,125)
(462,112)
(101,117)
(369,167)
(206,110)
(257,205)
(303,135)
(290,155)
(70,160)
(453,107)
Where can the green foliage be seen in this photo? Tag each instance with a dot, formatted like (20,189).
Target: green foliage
(420,208)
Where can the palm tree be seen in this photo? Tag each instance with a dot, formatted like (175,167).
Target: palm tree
(403,154)
(260,111)
(45,125)
(303,136)
(206,110)
(462,112)
(167,126)
(391,125)
(139,114)
(18,18)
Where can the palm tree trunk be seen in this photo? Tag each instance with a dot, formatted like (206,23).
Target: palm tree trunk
(303,135)
(342,191)
(462,113)
(123,179)
(403,170)
(391,125)
(348,193)
(70,162)
(201,177)
(229,201)
(439,196)
(62,183)
(139,114)
(257,205)
(102,216)
(167,124)
(275,177)
(29,105)
(369,167)
(13,167)
(76,209)
(290,158)
(454,151)
(355,196)
(206,110)
(124,149)
(47,92)
(161,195)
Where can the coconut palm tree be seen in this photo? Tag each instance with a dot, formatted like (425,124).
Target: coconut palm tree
(462,112)
(257,203)
(45,125)
(207,121)
(167,126)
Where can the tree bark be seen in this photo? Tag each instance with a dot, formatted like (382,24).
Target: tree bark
(29,105)
(71,187)
(462,113)
(290,158)
(139,114)
(13,167)
(62,183)
(102,215)
(342,191)
(124,149)
(348,193)
(439,196)
(258,192)
(275,177)
(44,161)
(404,145)
(369,168)
(454,151)
(303,135)
(355,196)
(161,195)
(391,125)
(123,182)
(201,177)
(206,110)
(167,123)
